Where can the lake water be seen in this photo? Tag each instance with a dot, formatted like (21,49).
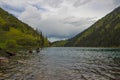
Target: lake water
(70,64)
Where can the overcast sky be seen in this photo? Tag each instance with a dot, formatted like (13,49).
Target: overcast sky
(59,19)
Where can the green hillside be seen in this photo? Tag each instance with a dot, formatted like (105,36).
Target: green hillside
(104,33)
(59,43)
(15,34)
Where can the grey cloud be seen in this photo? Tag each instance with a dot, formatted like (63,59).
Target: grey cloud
(57,36)
(39,7)
(12,8)
(81,2)
(64,28)
(57,3)
(53,3)
(31,16)
(80,22)
(52,39)
(52,27)
(59,19)
(15,10)
(116,2)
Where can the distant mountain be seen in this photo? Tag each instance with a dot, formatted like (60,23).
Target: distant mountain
(104,33)
(59,43)
(15,34)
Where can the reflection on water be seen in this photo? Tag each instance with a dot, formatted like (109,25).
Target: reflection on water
(68,64)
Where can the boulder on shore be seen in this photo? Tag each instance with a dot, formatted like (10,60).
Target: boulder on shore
(3,60)
(21,61)
(30,51)
(10,53)
(37,50)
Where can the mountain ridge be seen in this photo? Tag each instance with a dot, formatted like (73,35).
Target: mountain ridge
(103,33)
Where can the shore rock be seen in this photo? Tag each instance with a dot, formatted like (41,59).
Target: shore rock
(10,53)
(20,61)
(3,60)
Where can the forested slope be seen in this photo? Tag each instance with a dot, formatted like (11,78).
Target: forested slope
(15,34)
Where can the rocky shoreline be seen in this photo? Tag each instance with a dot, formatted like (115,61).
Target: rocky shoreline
(10,60)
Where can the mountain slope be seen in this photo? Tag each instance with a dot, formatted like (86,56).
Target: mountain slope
(104,33)
(59,43)
(16,34)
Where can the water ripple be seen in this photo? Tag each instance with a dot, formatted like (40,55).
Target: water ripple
(68,64)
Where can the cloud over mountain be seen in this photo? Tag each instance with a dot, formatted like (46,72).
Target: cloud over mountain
(59,19)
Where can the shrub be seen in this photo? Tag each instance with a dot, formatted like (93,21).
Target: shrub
(26,42)
(11,44)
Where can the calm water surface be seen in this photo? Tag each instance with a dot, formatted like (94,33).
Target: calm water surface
(69,64)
